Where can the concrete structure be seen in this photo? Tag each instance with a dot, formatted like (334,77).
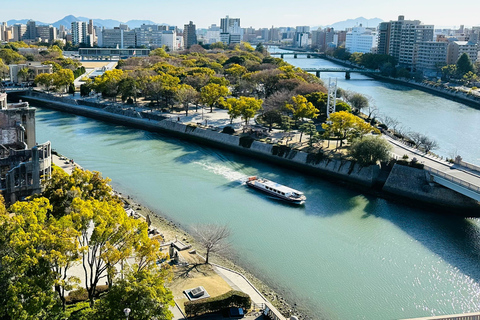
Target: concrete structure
(46,33)
(19,31)
(23,163)
(189,35)
(229,25)
(361,40)
(457,48)
(230,31)
(79,32)
(108,53)
(322,38)
(117,37)
(31,33)
(412,36)
(213,34)
(431,56)
(35,67)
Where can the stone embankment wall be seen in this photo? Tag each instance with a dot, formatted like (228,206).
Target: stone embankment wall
(416,184)
(402,181)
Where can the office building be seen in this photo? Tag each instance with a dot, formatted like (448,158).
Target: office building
(228,25)
(360,40)
(189,35)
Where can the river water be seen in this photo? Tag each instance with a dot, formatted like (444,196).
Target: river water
(453,125)
(344,255)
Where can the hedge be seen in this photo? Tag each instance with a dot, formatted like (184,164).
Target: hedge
(232,298)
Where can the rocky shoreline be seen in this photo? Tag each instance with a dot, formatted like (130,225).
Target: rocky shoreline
(172,230)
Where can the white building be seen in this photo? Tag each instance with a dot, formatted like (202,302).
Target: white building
(79,32)
(361,40)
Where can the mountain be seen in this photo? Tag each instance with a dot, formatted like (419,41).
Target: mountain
(137,23)
(24,21)
(342,25)
(66,21)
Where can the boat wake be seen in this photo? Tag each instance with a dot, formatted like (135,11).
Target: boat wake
(228,173)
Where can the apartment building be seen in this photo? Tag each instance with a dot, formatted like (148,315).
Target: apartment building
(360,39)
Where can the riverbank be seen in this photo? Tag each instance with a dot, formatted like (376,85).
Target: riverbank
(451,94)
(172,231)
(373,177)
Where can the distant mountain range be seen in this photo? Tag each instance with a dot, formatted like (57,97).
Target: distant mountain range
(107,23)
(350,23)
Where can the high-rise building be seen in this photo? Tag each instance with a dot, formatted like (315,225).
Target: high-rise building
(31,33)
(228,24)
(400,39)
(117,37)
(19,31)
(431,56)
(189,35)
(47,33)
(457,48)
(79,32)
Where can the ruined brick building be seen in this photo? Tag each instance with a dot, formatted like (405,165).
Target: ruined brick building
(23,162)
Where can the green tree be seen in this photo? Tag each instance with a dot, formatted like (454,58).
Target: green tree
(307,128)
(344,125)
(63,78)
(185,95)
(244,107)
(301,108)
(45,79)
(370,150)
(212,94)
(260,48)
(159,52)
(10,56)
(3,70)
(464,65)
(62,188)
(26,276)
(143,292)
(358,101)
(108,83)
(23,74)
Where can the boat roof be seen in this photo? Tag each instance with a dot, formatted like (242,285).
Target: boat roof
(278,186)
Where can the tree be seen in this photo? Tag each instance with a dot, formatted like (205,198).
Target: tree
(62,188)
(345,125)
(422,141)
(248,107)
(370,150)
(358,101)
(159,52)
(63,78)
(307,128)
(9,56)
(3,69)
(23,74)
(127,88)
(464,65)
(143,292)
(301,108)
(108,83)
(233,109)
(45,79)
(212,94)
(260,48)
(271,115)
(212,238)
(26,250)
(185,95)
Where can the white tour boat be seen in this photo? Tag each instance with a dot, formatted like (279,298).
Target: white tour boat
(277,190)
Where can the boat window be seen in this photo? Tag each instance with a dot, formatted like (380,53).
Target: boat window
(283,193)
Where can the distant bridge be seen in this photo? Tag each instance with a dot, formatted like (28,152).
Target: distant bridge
(346,70)
(296,54)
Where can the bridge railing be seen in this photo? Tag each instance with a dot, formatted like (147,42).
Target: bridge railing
(453,179)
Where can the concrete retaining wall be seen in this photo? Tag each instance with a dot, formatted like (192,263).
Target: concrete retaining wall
(416,184)
(402,181)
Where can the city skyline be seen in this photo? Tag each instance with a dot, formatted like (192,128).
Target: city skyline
(252,13)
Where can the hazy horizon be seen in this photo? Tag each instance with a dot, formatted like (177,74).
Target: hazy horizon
(252,13)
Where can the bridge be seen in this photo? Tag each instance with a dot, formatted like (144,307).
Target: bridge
(460,176)
(296,54)
(346,70)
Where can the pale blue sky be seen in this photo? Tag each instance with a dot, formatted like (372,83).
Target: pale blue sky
(256,13)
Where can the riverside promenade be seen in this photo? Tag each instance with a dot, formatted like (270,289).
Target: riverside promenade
(236,280)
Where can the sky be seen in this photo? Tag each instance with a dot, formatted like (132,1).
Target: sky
(254,13)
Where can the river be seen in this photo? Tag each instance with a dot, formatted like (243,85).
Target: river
(344,255)
(453,125)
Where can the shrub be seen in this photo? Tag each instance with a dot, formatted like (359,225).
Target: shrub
(246,141)
(228,130)
(230,299)
(76,296)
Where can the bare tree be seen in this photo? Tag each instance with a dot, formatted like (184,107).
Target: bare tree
(391,123)
(212,237)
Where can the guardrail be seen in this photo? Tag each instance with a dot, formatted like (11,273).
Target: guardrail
(469,166)
(455,180)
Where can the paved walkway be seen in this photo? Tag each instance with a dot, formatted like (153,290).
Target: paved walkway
(453,170)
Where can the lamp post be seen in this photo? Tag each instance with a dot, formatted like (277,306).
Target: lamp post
(127,312)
